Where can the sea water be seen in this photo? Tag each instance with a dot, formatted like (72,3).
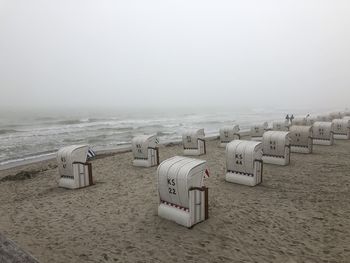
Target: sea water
(32,134)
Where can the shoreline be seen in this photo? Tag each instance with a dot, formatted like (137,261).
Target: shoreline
(41,157)
(99,153)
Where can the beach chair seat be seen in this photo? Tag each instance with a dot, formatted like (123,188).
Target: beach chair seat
(228,134)
(257,131)
(183,198)
(301,139)
(341,129)
(74,170)
(276,147)
(322,133)
(145,150)
(244,162)
(194,142)
(280,126)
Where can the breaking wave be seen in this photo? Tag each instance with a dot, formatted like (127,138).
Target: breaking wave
(45,134)
(7,131)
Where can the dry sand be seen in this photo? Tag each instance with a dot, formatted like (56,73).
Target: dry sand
(301,213)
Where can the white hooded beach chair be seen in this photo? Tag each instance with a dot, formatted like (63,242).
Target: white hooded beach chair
(322,133)
(310,120)
(75,172)
(341,129)
(336,115)
(228,134)
(145,151)
(299,121)
(244,162)
(194,142)
(257,131)
(183,198)
(276,147)
(324,118)
(301,139)
(280,126)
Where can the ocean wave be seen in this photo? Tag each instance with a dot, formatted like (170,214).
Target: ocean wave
(164,133)
(70,122)
(32,156)
(123,143)
(114,129)
(211,122)
(44,119)
(103,138)
(7,131)
(148,126)
(103,119)
(87,121)
(73,140)
(25,138)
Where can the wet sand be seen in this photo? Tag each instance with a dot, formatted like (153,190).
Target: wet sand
(300,213)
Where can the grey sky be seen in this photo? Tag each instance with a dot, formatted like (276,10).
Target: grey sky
(126,53)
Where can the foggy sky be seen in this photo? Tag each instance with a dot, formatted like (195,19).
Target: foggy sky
(292,53)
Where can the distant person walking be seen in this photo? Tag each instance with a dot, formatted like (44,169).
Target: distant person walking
(287,117)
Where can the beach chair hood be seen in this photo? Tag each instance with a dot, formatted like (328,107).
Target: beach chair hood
(299,121)
(141,144)
(341,128)
(190,138)
(280,126)
(274,143)
(300,135)
(66,156)
(322,130)
(176,176)
(241,155)
(258,130)
(182,196)
(276,147)
(229,133)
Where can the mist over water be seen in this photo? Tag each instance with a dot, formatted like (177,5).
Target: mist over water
(135,54)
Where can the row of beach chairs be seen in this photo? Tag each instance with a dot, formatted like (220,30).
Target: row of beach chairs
(183,198)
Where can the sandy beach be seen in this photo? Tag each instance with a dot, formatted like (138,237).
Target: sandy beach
(300,213)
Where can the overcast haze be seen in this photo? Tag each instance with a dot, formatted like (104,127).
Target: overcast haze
(168,53)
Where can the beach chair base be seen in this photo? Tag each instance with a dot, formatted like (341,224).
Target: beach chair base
(143,163)
(341,136)
(82,177)
(323,142)
(301,149)
(276,160)
(176,215)
(242,179)
(193,152)
(223,144)
(196,212)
